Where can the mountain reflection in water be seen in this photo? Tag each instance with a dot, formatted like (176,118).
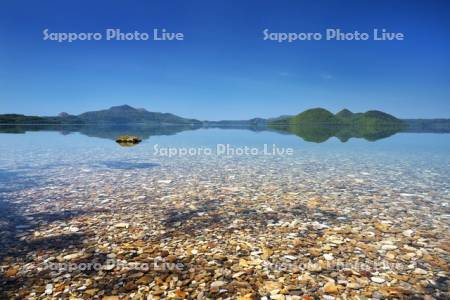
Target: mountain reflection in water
(310,133)
(321,133)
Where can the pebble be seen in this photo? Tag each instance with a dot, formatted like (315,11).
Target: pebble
(353,285)
(377,279)
(328,256)
(408,232)
(238,228)
(74,229)
(291,257)
(72,256)
(420,271)
(49,289)
(330,288)
(122,225)
(388,247)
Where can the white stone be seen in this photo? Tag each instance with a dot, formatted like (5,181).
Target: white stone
(377,279)
(328,256)
(72,256)
(290,257)
(49,289)
(420,271)
(218,284)
(388,247)
(74,229)
(122,225)
(408,233)
(238,274)
(164,181)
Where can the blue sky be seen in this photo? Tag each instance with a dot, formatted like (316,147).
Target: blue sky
(224,69)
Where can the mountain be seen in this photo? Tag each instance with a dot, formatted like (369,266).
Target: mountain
(321,133)
(369,124)
(127,114)
(375,118)
(344,114)
(123,114)
(311,132)
(20,119)
(310,116)
(315,115)
(279,119)
(321,116)
(318,125)
(23,119)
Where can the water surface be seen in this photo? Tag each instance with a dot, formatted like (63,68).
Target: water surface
(79,194)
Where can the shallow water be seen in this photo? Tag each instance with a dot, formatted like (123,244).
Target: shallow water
(50,182)
(45,155)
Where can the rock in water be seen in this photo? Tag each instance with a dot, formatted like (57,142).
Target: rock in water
(128,140)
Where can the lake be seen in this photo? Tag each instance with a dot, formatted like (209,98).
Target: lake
(220,212)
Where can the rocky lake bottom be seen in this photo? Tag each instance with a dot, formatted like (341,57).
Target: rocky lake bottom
(83,218)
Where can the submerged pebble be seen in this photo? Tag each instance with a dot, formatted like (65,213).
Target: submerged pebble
(229,228)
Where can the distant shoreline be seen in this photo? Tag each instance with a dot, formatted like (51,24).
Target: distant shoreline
(126,114)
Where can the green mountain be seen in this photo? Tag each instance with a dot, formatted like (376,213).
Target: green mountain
(321,133)
(318,125)
(317,116)
(314,115)
(377,118)
(344,114)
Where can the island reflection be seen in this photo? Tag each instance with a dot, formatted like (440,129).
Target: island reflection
(311,133)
